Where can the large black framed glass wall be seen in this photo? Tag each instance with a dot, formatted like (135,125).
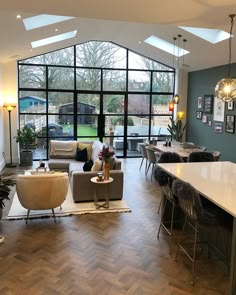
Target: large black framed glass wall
(95,90)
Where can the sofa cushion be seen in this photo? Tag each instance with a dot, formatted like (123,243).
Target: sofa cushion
(76,166)
(88,146)
(60,163)
(88,165)
(96,149)
(97,166)
(63,149)
(81,155)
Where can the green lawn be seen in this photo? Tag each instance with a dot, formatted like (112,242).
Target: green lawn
(84,130)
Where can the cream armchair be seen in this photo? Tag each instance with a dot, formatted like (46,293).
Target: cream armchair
(42,191)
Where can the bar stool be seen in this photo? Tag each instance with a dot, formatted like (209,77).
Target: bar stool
(165,181)
(167,157)
(196,219)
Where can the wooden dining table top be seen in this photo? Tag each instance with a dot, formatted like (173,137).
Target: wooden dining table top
(174,148)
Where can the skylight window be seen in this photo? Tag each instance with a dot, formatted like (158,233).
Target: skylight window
(54,39)
(211,35)
(166,46)
(42,20)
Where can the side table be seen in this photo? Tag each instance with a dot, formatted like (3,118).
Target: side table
(106,183)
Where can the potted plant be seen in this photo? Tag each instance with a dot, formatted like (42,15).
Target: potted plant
(5,182)
(176,129)
(27,139)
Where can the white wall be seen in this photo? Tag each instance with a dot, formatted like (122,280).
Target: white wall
(9,94)
(2,133)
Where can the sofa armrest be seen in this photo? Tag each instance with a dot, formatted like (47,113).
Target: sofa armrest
(83,189)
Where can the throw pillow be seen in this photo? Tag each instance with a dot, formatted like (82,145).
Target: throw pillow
(88,165)
(81,155)
(97,166)
(88,146)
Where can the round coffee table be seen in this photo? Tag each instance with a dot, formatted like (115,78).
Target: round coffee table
(106,183)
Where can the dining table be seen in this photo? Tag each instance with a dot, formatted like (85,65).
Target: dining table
(175,148)
(216,181)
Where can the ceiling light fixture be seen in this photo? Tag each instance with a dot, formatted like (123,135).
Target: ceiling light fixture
(226,88)
(18,16)
(176,98)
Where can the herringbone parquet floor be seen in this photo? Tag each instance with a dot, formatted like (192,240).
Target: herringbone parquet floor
(101,254)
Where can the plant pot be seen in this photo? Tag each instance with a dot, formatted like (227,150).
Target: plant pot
(26,158)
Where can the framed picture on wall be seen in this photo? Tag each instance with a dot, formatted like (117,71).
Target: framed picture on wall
(230,123)
(218,127)
(208,104)
(230,105)
(219,110)
(204,118)
(199,102)
(199,115)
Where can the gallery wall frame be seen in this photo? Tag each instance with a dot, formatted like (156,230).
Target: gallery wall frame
(208,104)
(219,110)
(230,106)
(218,127)
(199,102)
(199,115)
(230,124)
(204,118)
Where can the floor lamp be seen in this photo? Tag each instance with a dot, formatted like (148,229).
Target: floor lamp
(9,107)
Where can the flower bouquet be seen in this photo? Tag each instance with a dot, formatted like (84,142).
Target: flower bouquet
(106,153)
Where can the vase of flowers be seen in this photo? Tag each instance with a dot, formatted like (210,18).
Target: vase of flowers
(106,154)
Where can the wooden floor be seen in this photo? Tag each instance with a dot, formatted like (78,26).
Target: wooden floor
(101,254)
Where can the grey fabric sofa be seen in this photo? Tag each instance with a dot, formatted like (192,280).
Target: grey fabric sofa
(62,158)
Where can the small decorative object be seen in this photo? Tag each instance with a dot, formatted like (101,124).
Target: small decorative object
(199,115)
(106,153)
(100,176)
(209,123)
(230,123)
(230,105)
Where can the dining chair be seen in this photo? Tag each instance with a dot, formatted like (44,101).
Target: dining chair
(197,220)
(200,157)
(151,160)
(216,155)
(165,181)
(144,155)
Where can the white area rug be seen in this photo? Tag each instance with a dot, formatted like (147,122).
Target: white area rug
(68,208)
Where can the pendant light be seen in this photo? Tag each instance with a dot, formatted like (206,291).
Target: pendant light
(171,106)
(172,102)
(176,98)
(226,87)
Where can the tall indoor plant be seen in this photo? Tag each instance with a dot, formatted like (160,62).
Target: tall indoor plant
(6,181)
(27,139)
(176,129)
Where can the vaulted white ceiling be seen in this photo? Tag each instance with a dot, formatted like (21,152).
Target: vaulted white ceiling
(123,22)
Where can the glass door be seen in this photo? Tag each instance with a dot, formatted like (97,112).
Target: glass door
(113,122)
(88,112)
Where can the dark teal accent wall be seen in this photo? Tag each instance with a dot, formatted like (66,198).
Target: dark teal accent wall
(201,83)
